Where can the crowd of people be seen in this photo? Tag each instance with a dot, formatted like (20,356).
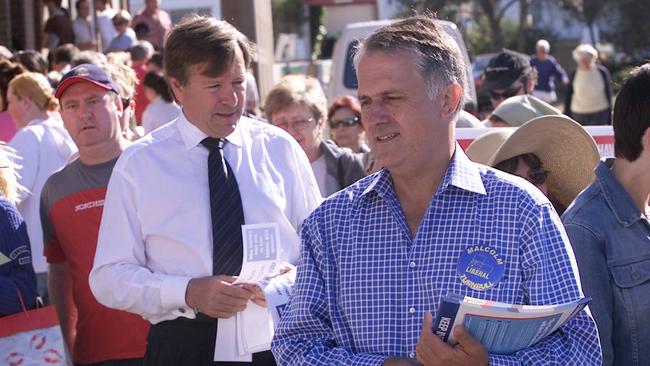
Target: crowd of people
(131,165)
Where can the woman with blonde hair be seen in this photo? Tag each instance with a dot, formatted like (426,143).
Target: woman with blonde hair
(44,147)
(16,270)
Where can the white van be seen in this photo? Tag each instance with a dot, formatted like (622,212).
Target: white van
(343,78)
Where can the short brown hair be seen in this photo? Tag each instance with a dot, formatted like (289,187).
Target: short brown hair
(295,90)
(205,40)
(8,71)
(122,17)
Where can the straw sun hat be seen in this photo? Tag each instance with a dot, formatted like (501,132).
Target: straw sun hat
(564,147)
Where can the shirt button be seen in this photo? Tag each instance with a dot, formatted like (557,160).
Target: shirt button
(412,355)
(412,264)
(412,310)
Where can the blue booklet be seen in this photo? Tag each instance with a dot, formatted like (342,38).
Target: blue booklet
(502,328)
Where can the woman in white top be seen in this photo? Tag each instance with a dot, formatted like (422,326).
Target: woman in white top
(589,92)
(44,146)
(161,108)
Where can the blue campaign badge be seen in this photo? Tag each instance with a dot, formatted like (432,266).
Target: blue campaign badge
(480,267)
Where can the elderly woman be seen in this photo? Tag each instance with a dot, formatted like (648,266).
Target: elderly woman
(16,270)
(44,146)
(297,104)
(344,117)
(589,93)
(554,153)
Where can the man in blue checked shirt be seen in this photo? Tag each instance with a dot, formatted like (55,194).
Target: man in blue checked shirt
(377,256)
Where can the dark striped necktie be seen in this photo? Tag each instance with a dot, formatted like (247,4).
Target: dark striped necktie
(226,211)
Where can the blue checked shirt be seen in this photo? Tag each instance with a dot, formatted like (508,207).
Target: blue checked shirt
(364,283)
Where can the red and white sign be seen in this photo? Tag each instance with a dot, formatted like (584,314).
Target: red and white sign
(603,135)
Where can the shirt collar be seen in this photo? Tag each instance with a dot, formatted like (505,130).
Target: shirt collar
(192,135)
(618,200)
(461,173)
(36,121)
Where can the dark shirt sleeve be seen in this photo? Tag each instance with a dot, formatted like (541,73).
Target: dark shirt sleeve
(607,78)
(569,94)
(559,71)
(350,168)
(17,274)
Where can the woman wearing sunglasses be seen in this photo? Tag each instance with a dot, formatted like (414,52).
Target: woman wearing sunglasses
(344,116)
(554,153)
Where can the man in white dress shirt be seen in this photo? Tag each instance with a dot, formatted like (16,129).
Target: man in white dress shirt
(154,254)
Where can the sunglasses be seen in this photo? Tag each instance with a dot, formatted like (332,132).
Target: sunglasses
(344,122)
(537,176)
(510,92)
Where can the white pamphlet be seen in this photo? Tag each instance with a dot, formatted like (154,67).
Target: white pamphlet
(261,244)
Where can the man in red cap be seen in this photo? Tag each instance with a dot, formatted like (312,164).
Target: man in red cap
(71,208)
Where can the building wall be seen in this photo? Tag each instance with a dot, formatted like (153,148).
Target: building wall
(338,16)
(177,9)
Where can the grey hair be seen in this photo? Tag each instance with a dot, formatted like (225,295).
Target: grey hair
(141,50)
(437,56)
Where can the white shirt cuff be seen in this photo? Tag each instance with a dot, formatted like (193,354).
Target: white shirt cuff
(172,292)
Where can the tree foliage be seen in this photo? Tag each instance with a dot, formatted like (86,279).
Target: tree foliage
(588,11)
(632,29)
(288,16)
(491,12)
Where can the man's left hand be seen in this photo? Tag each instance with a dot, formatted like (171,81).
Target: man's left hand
(431,350)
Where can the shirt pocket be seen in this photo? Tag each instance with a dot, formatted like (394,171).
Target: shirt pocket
(633,281)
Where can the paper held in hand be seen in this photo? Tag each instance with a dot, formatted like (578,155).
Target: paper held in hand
(502,328)
(261,243)
(261,267)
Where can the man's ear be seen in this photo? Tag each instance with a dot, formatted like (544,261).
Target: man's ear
(26,102)
(449,99)
(176,89)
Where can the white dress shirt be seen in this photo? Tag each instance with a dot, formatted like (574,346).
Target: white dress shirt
(44,147)
(159,113)
(106,28)
(83,31)
(156,229)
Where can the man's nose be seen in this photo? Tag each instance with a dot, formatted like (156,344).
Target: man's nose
(373,115)
(229,96)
